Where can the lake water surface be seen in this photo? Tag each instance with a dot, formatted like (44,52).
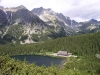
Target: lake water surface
(40,60)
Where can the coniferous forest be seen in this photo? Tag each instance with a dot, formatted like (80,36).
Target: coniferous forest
(85,46)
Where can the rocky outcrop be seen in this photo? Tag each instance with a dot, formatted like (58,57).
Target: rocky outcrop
(14,9)
(56,20)
(3,18)
(1,7)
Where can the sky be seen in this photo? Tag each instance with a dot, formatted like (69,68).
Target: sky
(79,10)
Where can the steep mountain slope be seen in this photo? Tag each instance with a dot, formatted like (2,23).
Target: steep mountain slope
(3,18)
(54,19)
(3,22)
(25,27)
(89,26)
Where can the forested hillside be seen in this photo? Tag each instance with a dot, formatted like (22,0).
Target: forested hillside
(87,44)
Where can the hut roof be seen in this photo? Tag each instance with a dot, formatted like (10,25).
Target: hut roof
(62,53)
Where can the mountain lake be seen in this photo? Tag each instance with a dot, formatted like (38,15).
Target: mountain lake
(40,60)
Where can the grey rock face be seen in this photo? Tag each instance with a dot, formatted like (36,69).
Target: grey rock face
(3,18)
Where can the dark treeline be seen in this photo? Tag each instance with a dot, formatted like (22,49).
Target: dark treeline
(86,44)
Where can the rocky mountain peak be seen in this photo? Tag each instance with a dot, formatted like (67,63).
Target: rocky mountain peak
(68,17)
(21,7)
(61,16)
(49,9)
(14,9)
(41,10)
(93,21)
(1,7)
(37,11)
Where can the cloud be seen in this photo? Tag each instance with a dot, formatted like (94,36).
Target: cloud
(85,10)
(76,9)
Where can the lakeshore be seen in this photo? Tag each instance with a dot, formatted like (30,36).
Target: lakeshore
(56,55)
(63,59)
